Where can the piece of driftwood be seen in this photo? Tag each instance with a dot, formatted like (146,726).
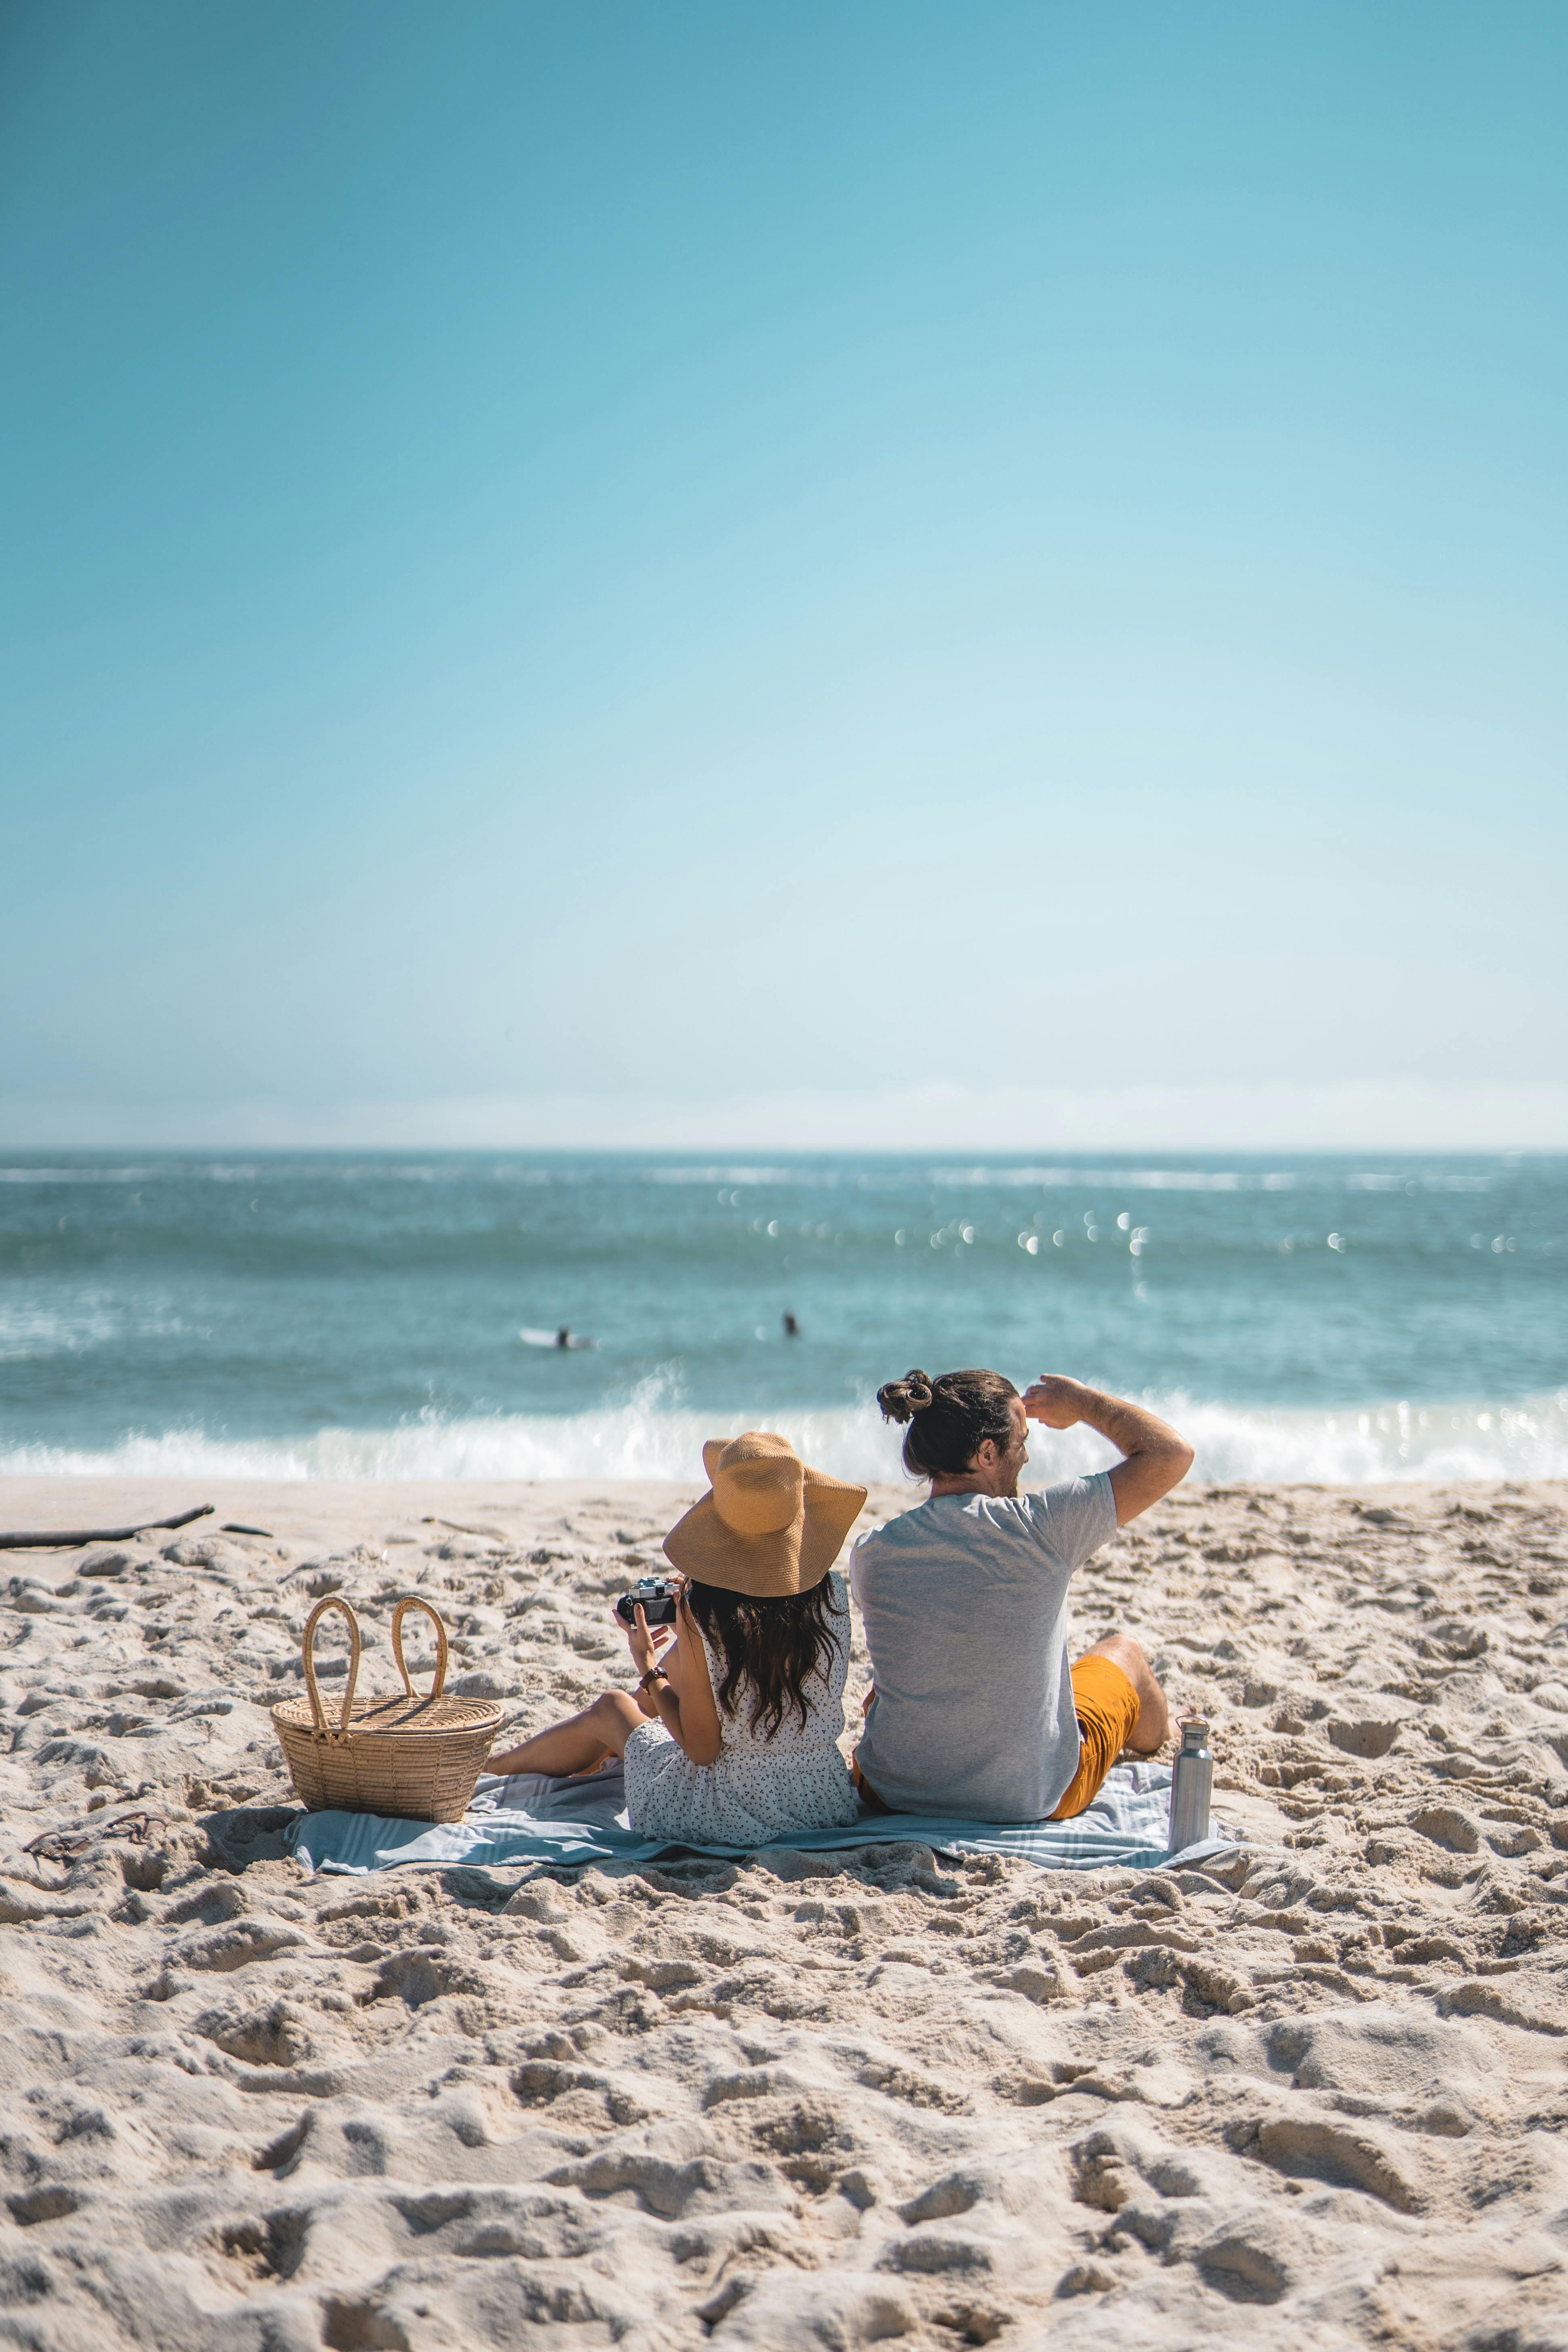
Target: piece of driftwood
(61,1540)
(233,1528)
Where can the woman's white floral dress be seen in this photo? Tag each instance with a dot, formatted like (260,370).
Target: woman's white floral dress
(757,1788)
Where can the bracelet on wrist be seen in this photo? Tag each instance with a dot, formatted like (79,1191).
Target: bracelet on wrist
(654,1674)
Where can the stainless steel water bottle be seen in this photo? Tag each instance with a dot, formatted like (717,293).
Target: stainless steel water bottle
(1191,1786)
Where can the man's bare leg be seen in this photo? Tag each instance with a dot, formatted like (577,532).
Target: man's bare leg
(1152,1727)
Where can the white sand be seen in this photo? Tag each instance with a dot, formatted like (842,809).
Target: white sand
(1315,2097)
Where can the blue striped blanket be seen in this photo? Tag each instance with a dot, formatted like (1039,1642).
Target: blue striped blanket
(530,1820)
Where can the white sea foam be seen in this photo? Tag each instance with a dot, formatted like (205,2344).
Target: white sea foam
(28,1331)
(735,1175)
(82,1175)
(517,1170)
(647,1438)
(1207,1180)
(1132,1180)
(32,1332)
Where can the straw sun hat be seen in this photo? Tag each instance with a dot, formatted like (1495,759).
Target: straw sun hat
(771,1528)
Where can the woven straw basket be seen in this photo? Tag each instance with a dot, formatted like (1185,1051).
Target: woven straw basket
(406,1755)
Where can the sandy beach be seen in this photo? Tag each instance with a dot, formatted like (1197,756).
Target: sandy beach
(1314,2095)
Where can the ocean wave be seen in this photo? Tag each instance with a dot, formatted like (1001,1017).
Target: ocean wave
(1134,1180)
(571,1171)
(34,1333)
(85,1175)
(1328,1177)
(1350,1445)
(717,1175)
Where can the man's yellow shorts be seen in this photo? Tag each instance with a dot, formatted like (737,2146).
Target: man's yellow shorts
(1107,1709)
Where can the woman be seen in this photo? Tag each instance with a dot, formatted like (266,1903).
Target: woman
(732,1737)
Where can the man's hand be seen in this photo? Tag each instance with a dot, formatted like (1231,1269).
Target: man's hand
(1055,1399)
(1158,1457)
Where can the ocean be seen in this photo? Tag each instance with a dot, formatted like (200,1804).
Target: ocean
(394,1316)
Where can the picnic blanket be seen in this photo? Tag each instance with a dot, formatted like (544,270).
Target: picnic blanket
(531,1820)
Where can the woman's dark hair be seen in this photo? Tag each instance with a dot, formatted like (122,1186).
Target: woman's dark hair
(949,1418)
(769,1646)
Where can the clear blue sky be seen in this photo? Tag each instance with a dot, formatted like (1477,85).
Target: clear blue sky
(673,552)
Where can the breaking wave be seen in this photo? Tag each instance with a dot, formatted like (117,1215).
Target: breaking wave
(1353,1444)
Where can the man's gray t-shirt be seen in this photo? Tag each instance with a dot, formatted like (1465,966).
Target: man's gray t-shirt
(964,1603)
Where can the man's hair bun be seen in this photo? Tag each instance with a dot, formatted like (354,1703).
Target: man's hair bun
(902,1400)
(958,1414)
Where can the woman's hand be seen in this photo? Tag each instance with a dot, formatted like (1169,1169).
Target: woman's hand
(640,1641)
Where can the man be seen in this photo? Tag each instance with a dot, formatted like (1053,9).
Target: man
(975,1710)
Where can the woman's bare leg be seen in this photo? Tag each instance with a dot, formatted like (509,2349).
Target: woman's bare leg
(1152,1727)
(578,1743)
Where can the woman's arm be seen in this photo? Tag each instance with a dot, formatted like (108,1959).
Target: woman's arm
(682,1691)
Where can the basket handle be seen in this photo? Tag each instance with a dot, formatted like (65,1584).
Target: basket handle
(399,1614)
(308,1644)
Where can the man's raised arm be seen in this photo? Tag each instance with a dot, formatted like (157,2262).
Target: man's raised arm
(1158,1457)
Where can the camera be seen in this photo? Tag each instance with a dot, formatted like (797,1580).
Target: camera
(657,1596)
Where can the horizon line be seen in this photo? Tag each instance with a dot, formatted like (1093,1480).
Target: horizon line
(779,1151)
(1409,1115)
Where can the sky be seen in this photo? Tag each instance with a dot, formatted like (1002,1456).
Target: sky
(840,573)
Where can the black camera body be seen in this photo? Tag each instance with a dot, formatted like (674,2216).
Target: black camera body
(656,1596)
